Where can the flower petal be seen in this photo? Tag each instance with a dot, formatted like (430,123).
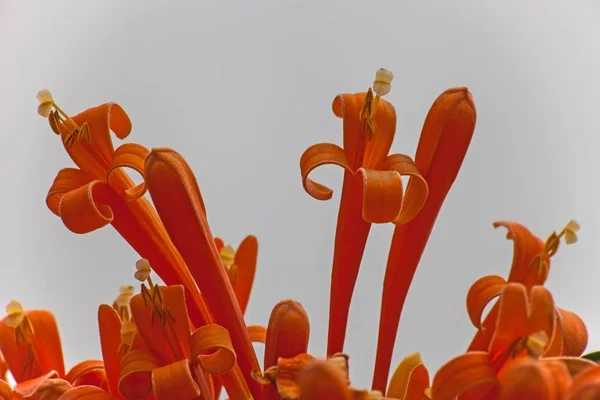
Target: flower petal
(322,380)
(82,210)
(360,149)
(315,156)
(526,248)
(574,365)
(383,192)
(410,380)
(416,190)
(46,346)
(175,193)
(88,373)
(245,259)
(95,158)
(257,333)
(169,341)
(175,381)
(287,336)
(480,294)
(575,334)
(444,142)
(67,180)
(85,393)
(136,374)
(586,385)
(463,373)
(541,311)
(527,378)
(109,325)
(133,156)
(512,322)
(6,392)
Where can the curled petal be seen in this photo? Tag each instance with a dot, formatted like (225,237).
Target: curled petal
(67,180)
(586,385)
(129,155)
(512,318)
(88,373)
(554,347)
(410,380)
(136,374)
(463,373)
(528,379)
(95,157)
(175,381)
(541,311)
(245,259)
(258,334)
(82,210)
(416,190)
(383,192)
(480,294)
(575,365)
(322,380)
(85,393)
(43,385)
(575,334)
(45,346)
(527,247)
(109,325)
(213,340)
(315,156)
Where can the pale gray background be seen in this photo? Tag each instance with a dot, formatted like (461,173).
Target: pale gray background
(241,88)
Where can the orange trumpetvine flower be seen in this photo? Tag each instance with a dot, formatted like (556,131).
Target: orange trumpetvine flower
(176,196)
(524,328)
(530,266)
(372,190)
(443,144)
(99,191)
(30,343)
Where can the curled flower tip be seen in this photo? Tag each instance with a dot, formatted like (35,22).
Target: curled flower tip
(536,343)
(143,270)
(570,231)
(15,314)
(57,118)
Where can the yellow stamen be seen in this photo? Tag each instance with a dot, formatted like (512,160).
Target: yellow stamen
(128,329)
(569,233)
(227,254)
(152,292)
(381,86)
(17,319)
(47,103)
(536,343)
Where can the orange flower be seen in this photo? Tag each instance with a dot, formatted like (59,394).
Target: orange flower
(372,190)
(99,192)
(444,141)
(31,345)
(531,264)
(178,201)
(524,329)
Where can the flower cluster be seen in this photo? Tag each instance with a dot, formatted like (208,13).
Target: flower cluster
(188,339)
